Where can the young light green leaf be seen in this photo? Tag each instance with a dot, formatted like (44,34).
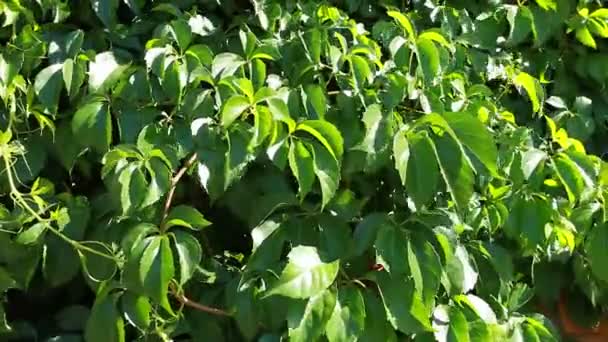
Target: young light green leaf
(186,216)
(305,275)
(233,108)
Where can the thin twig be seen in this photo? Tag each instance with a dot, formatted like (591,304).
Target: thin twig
(197,306)
(174,181)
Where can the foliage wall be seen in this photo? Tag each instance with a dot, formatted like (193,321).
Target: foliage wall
(348,170)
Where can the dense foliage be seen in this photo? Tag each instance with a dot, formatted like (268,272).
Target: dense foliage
(224,170)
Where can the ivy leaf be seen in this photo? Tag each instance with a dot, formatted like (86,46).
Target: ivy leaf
(425,268)
(226,64)
(547,4)
(73,76)
(450,324)
(105,322)
(428,59)
(404,307)
(186,216)
(189,254)
(233,108)
(302,166)
(404,22)
(316,103)
(348,319)
(156,270)
(48,86)
(307,320)
(106,10)
(305,275)
(584,36)
(106,69)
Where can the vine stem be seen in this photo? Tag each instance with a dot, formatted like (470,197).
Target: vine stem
(174,181)
(18,197)
(197,306)
(167,206)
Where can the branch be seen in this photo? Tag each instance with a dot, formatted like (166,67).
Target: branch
(174,181)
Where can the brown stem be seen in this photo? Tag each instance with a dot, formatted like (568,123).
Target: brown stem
(174,181)
(200,307)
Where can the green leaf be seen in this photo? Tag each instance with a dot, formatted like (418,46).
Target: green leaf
(404,307)
(316,103)
(461,276)
(570,175)
(422,171)
(361,71)
(428,59)
(306,321)
(425,268)
(533,88)
(136,310)
(327,134)
(474,135)
(189,254)
(455,169)
(106,10)
(450,324)
(105,324)
(156,270)
(73,76)
(32,234)
(305,275)
(391,251)
(226,64)
(376,143)
(595,248)
(377,327)
(526,222)
(186,216)
(584,36)
(233,108)
(348,319)
(327,170)
(547,4)
(48,84)
(404,22)
(302,166)
(106,69)
(180,30)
